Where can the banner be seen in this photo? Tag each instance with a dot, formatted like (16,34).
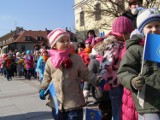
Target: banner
(53,95)
(91,114)
(152,48)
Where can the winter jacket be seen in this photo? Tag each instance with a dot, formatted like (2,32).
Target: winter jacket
(40,66)
(131,67)
(128,108)
(29,62)
(111,60)
(67,82)
(131,17)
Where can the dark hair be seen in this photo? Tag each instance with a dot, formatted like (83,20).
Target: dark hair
(81,44)
(91,31)
(38,47)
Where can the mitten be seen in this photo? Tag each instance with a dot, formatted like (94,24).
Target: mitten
(86,94)
(138,82)
(42,94)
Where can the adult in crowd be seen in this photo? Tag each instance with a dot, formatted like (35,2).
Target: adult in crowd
(133,8)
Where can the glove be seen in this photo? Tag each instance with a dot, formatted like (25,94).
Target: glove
(138,82)
(86,94)
(42,94)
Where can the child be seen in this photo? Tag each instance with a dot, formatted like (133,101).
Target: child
(41,64)
(101,97)
(19,63)
(29,64)
(114,44)
(147,82)
(64,68)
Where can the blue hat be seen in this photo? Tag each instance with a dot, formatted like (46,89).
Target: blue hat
(28,52)
(146,16)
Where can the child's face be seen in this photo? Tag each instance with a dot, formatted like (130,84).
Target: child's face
(87,45)
(63,43)
(152,27)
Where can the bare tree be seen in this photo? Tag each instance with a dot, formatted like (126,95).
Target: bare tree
(109,9)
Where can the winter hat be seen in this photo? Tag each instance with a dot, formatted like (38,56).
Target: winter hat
(146,16)
(55,35)
(18,54)
(28,52)
(131,2)
(98,46)
(122,25)
(89,40)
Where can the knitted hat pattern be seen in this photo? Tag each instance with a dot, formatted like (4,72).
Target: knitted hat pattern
(146,16)
(56,35)
(122,25)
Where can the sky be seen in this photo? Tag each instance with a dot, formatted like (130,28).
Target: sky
(36,15)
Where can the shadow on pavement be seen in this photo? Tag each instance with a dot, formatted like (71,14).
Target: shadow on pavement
(29,116)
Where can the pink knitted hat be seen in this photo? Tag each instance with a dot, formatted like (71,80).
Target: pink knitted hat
(89,40)
(55,35)
(122,25)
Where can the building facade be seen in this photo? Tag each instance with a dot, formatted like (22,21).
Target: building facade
(99,15)
(22,40)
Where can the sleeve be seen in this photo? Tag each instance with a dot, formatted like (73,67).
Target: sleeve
(47,75)
(87,75)
(39,68)
(130,66)
(92,67)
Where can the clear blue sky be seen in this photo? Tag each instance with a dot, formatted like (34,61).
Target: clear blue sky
(36,14)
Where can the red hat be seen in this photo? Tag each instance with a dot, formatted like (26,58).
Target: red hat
(122,25)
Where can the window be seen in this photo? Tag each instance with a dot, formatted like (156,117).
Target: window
(97,12)
(23,48)
(82,18)
(27,38)
(39,38)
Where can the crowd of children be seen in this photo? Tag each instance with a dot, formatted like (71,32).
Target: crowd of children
(109,67)
(116,60)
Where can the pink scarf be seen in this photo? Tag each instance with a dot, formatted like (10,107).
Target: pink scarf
(57,56)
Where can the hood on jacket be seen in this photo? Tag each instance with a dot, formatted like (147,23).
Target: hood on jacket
(132,41)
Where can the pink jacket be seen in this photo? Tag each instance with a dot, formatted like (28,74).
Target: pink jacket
(29,62)
(128,108)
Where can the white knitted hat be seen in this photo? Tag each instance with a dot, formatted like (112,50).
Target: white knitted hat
(146,16)
(55,35)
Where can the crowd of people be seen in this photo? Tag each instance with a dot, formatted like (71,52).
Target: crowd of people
(29,64)
(108,68)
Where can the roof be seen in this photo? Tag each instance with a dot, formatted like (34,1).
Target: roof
(32,34)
